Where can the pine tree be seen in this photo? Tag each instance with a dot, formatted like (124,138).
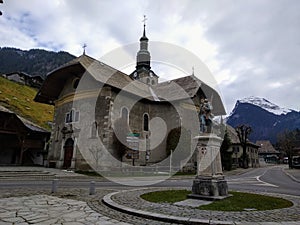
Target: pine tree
(226,156)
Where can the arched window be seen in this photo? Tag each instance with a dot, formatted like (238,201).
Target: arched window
(94,130)
(146,122)
(124,113)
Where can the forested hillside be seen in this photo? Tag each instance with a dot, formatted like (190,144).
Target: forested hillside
(33,62)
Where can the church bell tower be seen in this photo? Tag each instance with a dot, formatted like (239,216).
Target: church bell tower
(143,70)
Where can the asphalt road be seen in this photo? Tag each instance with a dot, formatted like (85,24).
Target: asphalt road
(266,179)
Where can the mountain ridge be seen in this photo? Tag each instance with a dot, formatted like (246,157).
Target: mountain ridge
(266,122)
(265,104)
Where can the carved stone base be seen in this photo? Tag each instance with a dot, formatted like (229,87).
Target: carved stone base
(209,188)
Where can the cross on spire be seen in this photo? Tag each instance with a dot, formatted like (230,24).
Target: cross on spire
(144,20)
(84,47)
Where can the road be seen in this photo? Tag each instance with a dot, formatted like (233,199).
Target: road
(266,179)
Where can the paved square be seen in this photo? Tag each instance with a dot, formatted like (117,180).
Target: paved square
(45,209)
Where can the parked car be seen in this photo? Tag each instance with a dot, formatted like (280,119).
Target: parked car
(286,160)
(296,162)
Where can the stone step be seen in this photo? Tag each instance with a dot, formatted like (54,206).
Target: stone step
(25,174)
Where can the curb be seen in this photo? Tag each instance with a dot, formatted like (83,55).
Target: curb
(43,178)
(107,200)
(290,176)
(157,216)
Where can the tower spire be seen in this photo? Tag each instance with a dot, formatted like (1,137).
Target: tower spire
(144,38)
(143,55)
(143,70)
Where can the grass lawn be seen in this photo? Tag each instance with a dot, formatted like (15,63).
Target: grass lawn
(239,201)
(19,99)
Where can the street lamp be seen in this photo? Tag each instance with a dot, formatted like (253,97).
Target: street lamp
(243,132)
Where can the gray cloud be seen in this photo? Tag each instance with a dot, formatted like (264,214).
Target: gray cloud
(266,34)
(255,43)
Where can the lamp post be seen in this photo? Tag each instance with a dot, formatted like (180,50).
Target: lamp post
(243,132)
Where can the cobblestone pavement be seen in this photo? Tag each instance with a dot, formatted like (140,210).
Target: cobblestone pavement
(45,209)
(132,200)
(66,207)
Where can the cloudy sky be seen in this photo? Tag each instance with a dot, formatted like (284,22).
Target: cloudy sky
(251,47)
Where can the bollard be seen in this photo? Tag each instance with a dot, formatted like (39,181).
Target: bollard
(54,185)
(92,188)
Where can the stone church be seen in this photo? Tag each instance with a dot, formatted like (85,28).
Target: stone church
(105,118)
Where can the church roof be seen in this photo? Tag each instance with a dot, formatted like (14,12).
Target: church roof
(105,74)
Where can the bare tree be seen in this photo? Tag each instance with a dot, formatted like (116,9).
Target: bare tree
(286,142)
(97,154)
(243,132)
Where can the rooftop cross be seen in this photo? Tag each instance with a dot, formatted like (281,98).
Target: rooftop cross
(144,20)
(84,47)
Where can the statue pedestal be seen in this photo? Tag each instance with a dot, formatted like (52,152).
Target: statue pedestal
(209,183)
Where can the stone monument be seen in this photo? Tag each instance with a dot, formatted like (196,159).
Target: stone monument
(209,183)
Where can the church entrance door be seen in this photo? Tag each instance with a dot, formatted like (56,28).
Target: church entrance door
(69,145)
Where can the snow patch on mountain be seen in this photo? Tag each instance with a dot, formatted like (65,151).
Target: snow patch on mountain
(266,105)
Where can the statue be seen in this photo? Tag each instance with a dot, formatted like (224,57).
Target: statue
(205,115)
(209,184)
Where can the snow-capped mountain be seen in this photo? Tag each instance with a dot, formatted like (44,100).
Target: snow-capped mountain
(266,119)
(266,105)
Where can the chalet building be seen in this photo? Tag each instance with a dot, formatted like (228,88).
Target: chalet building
(99,109)
(21,141)
(24,78)
(237,149)
(267,152)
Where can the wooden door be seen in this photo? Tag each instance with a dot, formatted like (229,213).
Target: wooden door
(69,145)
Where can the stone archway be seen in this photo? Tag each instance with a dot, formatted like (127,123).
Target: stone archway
(68,149)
